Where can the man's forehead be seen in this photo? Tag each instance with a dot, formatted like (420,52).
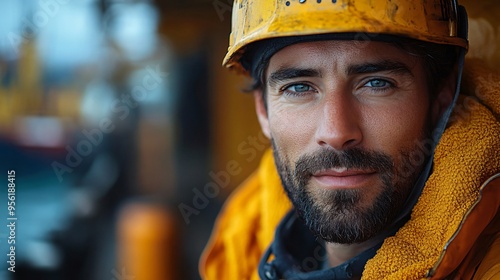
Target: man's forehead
(348,56)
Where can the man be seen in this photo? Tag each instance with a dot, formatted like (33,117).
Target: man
(355,97)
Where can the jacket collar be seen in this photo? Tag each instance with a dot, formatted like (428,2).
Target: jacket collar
(298,254)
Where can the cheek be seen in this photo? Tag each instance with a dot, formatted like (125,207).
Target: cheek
(292,131)
(395,128)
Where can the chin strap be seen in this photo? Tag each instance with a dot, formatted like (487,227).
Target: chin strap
(441,126)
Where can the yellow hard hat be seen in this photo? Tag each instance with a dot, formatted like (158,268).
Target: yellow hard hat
(435,21)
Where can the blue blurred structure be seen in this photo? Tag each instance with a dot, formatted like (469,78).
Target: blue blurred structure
(65,69)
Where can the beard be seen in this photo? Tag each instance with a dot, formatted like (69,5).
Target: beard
(342,215)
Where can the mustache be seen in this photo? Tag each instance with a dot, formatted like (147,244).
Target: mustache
(354,158)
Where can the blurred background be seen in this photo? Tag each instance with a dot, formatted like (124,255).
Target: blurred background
(125,133)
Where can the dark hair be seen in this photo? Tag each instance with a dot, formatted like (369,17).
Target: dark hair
(438,61)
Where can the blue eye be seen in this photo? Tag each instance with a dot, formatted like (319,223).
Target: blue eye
(299,88)
(378,83)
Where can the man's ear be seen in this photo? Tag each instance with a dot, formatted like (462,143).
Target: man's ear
(444,97)
(260,108)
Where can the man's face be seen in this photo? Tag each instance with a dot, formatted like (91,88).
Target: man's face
(345,120)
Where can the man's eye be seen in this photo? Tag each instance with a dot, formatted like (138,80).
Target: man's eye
(378,83)
(297,89)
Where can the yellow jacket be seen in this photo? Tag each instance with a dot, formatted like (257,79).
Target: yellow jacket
(454,229)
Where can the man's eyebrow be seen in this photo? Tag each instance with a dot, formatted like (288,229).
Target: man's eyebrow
(284,74)
(382,66)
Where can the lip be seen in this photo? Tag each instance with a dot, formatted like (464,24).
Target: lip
(343,178)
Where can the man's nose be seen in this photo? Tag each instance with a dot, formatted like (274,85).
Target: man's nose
(339,123)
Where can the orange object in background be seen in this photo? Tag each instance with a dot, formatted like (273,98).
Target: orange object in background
(148,241)
(484,30)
